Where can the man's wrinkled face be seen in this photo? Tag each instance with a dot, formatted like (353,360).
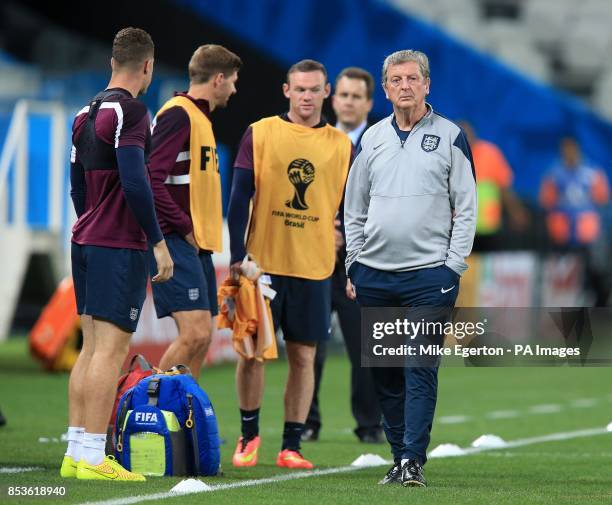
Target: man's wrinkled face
(405,86)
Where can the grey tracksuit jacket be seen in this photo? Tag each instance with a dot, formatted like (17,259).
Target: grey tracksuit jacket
(411,205)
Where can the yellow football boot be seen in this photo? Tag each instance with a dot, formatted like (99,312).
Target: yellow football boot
(69,468)
(109,469)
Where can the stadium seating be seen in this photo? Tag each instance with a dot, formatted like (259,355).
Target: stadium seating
(562,42)
(16,79)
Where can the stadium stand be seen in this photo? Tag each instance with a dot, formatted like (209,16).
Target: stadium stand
(560,42)
(16,79)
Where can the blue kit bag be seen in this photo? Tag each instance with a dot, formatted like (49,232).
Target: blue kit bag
(166,425)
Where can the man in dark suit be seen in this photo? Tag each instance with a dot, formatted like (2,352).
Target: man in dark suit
(352,102)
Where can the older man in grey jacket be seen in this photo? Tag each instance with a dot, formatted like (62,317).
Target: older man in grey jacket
(410,219)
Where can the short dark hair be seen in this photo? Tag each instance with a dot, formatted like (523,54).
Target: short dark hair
(361,74)
(211,59)
(307,66)
(132,46)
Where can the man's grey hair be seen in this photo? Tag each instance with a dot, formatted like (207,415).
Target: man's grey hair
(405,56)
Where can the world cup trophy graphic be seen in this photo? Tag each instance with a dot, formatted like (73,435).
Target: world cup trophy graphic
(301,173)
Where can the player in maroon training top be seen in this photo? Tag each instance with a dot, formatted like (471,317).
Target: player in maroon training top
(182,137)
(116,218)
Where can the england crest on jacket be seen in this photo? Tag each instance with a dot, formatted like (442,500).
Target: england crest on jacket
(430,143)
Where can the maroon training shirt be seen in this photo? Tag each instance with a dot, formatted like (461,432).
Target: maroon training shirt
(171,135)
(108,221)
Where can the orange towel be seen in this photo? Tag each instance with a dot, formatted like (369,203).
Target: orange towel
(244,308)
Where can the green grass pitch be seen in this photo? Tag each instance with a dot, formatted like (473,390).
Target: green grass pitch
(574,471)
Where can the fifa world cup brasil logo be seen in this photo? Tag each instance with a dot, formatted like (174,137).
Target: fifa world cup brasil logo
(301,173)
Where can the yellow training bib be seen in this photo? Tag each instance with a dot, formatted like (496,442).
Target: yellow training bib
(204,177)
(300,174)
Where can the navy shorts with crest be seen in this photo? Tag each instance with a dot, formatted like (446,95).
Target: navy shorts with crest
(110,283)
(193,285)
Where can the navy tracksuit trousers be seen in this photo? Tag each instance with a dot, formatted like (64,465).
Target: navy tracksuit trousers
(407,395)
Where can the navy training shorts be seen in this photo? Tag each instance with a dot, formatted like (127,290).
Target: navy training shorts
(193,285)
(110,283)
(302,308)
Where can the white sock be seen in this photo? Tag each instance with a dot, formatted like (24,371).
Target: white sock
(75,442)
(404,461)
(93,448)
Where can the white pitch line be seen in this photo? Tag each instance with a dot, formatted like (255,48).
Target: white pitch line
(547,408)
(567,435)
(589,432)
(232,485)
(553,437)
(583,403)
(458,419)
(19,469)
(502,414)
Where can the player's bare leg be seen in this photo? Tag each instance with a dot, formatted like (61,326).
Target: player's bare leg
(197,361)
(191,345)
(298,397)
(111,348)
(76,384)
(249,386)
(249,383)
(300,381)
(76,400)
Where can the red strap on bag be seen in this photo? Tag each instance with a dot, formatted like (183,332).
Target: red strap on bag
(139,369)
